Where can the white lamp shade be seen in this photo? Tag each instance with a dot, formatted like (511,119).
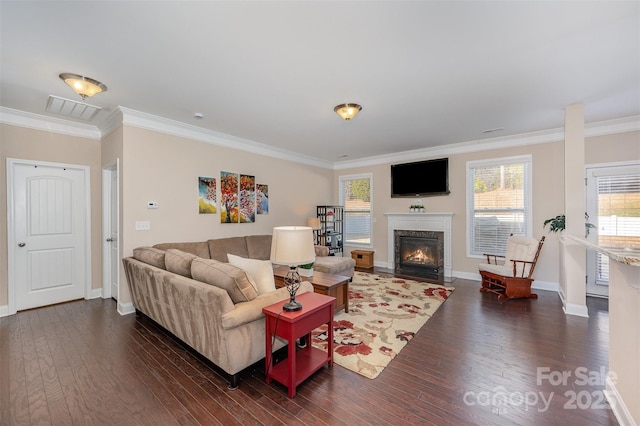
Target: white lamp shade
(292,245)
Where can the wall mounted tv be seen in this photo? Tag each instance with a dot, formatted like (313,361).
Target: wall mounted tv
(420,179)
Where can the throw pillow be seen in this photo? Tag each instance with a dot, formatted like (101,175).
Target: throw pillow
(234,280)
(150,255)
(260,270)
(179,262)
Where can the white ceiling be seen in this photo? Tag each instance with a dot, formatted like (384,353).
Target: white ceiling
(427,73)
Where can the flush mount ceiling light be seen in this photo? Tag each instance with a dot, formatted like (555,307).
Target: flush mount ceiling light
(347,111)
(83,86)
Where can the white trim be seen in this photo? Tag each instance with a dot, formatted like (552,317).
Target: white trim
(11,241)
(151,122)
(122,115)
(620,125)
(107,208)
(96,293)
(48,124)
(111,123)
(537,284)
(577,310)
(4,311)
(472,276)
(126,308)
(545,285)
(617,404)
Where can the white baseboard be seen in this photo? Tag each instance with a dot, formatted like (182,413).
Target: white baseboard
(577,310)
(537,284)
(126,308)
(617,404)
(96,293)
(466,275)
(381,264)
(545,285)
(4,311)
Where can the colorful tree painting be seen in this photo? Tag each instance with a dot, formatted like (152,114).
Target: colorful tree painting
(247,199)
(262,198)
(207,201)
(229,197)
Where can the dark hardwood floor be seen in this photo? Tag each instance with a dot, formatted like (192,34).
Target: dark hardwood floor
(475,362)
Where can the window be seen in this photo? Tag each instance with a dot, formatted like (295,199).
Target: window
(355,196)
(498,203)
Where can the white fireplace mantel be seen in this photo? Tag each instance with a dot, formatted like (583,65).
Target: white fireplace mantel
(436,222)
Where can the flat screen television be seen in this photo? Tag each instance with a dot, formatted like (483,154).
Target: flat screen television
(420,179)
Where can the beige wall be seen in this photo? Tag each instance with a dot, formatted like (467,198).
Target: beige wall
(23,143)
(165,168)
(612,148)
(548,195)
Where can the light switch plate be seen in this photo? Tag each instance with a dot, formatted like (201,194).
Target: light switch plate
(143,225)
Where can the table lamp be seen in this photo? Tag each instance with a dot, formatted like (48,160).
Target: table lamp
(292,246)
(314,224)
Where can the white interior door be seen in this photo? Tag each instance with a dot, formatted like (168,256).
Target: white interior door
(112,240)
(48,233)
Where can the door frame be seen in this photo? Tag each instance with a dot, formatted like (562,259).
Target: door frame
(11,238)
(591,171)
(107,209)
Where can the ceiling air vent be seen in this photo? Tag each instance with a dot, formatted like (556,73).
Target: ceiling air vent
(71,108)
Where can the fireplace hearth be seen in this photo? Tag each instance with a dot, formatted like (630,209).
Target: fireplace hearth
(419,253)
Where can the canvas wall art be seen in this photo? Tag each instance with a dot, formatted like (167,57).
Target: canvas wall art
(207,202)
(229,197)
(262,198)
(247,199)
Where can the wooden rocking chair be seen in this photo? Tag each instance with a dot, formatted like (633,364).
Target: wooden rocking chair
(512,279)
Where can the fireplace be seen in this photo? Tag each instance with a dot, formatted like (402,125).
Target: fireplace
(419,253)
(435,222)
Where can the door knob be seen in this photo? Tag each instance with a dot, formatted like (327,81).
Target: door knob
(21,244)
(109,240)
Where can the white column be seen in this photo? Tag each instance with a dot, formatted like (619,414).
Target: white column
(574,207)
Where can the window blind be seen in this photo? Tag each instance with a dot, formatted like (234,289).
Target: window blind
(618,216)
(498,202)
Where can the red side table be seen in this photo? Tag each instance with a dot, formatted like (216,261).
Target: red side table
(317,309)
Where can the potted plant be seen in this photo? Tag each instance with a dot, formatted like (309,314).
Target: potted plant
(557,224)
(306,270)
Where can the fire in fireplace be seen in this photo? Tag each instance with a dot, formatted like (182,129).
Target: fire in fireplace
(419,253)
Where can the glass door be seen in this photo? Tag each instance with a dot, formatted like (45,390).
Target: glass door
(613,206)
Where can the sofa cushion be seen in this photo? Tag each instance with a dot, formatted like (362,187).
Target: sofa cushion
(179,262)
(220,247)
(259,246)
(200,249)
(150,255)
(261,271)
(234,280)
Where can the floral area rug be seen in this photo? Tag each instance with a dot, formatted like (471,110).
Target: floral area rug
(384,314)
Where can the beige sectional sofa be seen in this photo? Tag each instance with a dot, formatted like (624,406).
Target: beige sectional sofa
(211,305)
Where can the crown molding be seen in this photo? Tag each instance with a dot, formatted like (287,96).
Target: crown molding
(111,123)
(48,124)
(122,115)
(620,125)
(151,122)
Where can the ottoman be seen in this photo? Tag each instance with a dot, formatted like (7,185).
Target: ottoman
(335,265)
